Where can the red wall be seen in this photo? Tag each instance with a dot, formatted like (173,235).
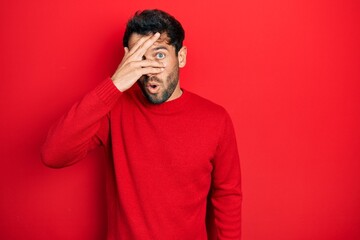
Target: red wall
(287,71)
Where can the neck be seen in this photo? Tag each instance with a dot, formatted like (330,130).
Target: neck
(176,94)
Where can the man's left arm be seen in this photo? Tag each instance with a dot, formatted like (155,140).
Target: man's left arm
(226,195)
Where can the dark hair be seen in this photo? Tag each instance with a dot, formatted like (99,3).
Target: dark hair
(152,21)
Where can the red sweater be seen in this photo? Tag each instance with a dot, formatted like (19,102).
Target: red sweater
(167,160)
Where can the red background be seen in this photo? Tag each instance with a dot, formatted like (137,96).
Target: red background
(287,71)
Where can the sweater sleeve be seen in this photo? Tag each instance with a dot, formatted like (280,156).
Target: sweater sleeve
(84,127)
(226,196)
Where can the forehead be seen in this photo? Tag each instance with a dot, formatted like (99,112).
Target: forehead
(162,41)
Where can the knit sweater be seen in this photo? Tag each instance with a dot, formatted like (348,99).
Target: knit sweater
(168,162)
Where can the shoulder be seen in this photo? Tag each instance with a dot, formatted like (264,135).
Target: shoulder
(202,105)
(210,116)
(209,113)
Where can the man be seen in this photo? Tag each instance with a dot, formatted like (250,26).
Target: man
(172,152)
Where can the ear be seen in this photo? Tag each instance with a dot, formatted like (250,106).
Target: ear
(182,56)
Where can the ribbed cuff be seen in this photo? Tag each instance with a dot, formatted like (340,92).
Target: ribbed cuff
(107,92)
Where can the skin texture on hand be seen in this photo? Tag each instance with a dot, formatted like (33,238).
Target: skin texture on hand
(133,65)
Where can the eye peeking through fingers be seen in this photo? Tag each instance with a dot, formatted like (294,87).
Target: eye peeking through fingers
(160,55)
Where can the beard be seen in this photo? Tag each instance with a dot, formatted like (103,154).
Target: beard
(165,92)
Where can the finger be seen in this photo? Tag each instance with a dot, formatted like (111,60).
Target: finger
(149,63)
(126,51)
(139,43)
(150,70)
(139,53)
(145,63)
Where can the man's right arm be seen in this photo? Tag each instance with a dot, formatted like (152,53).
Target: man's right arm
(86,124)
(82,128)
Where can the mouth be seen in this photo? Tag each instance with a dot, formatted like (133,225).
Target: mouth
(153,87)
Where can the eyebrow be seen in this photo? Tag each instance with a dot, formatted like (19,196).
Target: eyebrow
(159,48)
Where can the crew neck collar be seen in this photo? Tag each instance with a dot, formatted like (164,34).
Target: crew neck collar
(171,106)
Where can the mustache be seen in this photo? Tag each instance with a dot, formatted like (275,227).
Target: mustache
(147,79)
